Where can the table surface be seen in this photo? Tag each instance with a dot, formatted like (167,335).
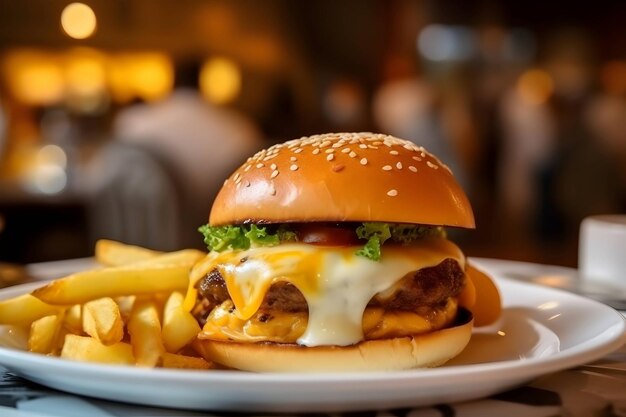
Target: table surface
(598,388)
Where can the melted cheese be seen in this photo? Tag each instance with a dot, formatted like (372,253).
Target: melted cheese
(336,284)
(224,324)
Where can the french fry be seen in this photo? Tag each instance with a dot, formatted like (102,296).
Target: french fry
(172,360)
(102,321)
(179,326)
(73,320)
(43,334)
(112,253)
(87,315)
(184,257)
(25,309)
(88,349)
(145,334)
(125,304)
(89,285)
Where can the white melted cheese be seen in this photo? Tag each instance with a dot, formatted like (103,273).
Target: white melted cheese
(336,283)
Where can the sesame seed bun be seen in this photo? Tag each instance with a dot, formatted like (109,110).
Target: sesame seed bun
(343,177)
(421,351)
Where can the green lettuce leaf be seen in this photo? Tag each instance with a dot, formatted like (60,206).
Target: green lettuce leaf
(378,233)
(219,238)
(259,236)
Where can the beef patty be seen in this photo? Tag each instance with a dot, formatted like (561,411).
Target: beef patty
(428,287)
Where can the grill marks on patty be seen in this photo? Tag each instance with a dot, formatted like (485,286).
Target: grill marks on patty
(428,287)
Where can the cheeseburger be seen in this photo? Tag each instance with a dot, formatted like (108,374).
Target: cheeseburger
(328,253)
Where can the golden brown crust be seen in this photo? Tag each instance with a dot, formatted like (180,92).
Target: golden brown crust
(421,351)
(343,177)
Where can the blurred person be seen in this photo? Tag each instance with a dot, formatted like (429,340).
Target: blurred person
(200,142)
(527,145)
(606,117)
(553,170)
(582,178)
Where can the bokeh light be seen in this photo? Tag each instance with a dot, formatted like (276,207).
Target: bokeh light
(220,80)
(34,77)
(446,43)
(78,20)
(147,75)
(535,86)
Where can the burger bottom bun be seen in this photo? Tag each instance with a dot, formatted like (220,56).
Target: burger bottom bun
(420,351)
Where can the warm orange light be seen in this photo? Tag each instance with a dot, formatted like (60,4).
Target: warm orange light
(33,77)
(220,80)
(78,20)
(85,74)
(535,86)
(148,76)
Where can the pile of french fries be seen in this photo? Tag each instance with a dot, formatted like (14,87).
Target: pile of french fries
(130,311)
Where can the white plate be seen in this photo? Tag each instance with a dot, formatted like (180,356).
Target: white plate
(542,330)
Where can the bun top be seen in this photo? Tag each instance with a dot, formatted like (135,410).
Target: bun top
(335,177)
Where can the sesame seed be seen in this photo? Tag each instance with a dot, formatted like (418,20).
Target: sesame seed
(409,147)
(272,190)
(363,146)
(377,143)
(393,152)
(412,168)
(392,193)
(260,165)
(363,161)
(293,167)
(273,167)
(274,174)
(417,158)
(423,154)
(316,151)
(237,181)
(247,168)
(431,165)
(352,154)
(325,143)
(297,150)
(345,150)
(330,150)
(338,167)
(236,177)
(293,159)
(338,144)
(372,147)
(387,168)
(330,157)
(399,165)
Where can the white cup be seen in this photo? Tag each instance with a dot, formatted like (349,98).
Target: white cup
(602,249)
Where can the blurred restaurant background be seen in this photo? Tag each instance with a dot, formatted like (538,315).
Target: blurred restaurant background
(120,118)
